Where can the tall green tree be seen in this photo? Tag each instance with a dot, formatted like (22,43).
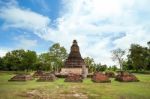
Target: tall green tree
(19,60)
(44,62)
(53,60)
(139,57)
(90,63)
(117,55)
(29,59)
(58,55)
(13,60)
(1,63)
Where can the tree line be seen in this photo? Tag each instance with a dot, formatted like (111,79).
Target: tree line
(26,60)
(137,58)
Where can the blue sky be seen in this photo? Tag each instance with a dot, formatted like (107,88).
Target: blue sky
(98,25)
(8,37)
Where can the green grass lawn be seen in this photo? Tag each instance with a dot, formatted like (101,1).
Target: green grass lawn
(65,90)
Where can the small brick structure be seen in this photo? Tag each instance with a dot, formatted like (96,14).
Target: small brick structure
(110,74)
(99,77)
(21,77)
(71,77)
(126,77)
(47,77)
(38,73)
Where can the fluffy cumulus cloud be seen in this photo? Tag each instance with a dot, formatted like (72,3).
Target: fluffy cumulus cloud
(98,25)
(16,17)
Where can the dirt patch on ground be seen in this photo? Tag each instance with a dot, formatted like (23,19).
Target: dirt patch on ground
(35,94)
(73,96)
(43,94)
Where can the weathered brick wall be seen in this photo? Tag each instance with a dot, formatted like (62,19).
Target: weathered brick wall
(71,70)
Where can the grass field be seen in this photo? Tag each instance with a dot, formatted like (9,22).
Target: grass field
(65,90)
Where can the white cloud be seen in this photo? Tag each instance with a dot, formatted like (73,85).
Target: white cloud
(25,43)
(95,22)
(3,51)
(23,18)
(98,25)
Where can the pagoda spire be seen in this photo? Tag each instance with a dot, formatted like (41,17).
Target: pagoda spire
(74,59)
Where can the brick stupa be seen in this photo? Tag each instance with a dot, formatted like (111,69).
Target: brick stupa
(75,63)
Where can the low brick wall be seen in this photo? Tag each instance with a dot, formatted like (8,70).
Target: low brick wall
(71,70)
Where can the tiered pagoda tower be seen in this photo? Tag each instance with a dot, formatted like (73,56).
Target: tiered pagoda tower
(74,63)
(74,59)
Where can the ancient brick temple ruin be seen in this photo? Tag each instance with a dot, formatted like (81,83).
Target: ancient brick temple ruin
(74,63)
